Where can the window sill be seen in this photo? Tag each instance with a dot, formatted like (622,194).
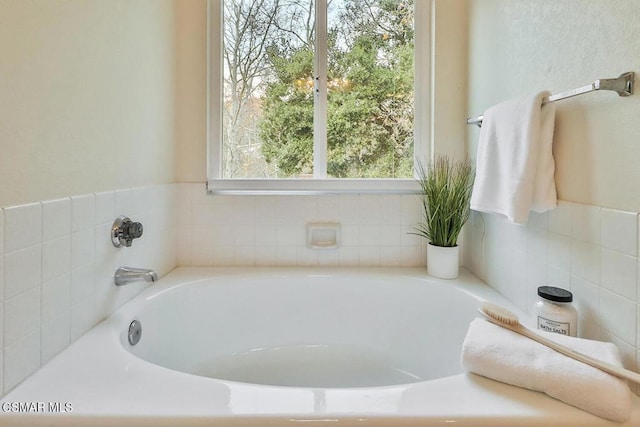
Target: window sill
(312,186)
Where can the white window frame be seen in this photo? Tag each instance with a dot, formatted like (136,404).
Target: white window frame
(319,184)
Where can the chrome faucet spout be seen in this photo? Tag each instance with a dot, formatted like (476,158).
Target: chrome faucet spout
(126,275)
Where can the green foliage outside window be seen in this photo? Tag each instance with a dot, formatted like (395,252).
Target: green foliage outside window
(370,91)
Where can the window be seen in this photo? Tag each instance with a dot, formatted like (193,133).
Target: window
(316,95)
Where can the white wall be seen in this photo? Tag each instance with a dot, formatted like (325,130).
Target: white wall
(57,264)
(87,131)
(87,98)
(246,230)
(589,244)
(191,91)
(521,47)
(449,77)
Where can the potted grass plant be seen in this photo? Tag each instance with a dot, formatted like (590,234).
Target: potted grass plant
(446,194)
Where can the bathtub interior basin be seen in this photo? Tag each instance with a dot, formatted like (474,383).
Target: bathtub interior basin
(272,347)
(307,330)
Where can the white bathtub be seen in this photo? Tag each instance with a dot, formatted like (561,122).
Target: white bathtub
(272,347)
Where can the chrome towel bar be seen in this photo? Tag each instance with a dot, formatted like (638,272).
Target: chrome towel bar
(623,84)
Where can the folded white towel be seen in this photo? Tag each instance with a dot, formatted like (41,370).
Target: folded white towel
(500,354)
(514,163)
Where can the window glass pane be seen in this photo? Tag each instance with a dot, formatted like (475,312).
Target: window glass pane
(370,84)
(268,88)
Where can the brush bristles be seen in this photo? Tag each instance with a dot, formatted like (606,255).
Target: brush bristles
(499,313)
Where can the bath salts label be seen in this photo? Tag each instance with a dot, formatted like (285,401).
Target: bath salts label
(563,328)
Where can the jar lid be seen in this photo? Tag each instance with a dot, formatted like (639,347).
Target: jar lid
(555,294)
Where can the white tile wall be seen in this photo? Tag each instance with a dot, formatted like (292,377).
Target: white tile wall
(57,264)
(620,231)
(271,230)
(57,261)
(23,227)
(590,250)
(22,270)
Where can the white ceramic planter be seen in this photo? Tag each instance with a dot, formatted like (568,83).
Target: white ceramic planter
(443,262)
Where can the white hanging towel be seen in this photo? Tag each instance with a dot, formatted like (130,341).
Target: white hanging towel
(514,163)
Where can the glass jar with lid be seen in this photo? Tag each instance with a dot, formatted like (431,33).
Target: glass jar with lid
(555,312)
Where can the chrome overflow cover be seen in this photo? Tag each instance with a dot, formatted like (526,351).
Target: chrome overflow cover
(135,332)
